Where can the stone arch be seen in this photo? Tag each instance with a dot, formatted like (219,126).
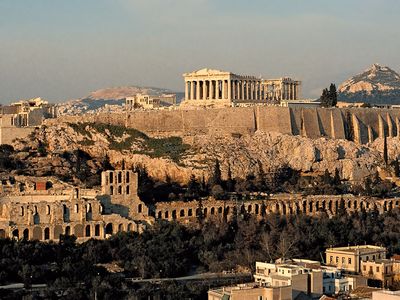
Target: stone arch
(58,230)
(159,215)
(37,233)
(277,210)
(68,230)
(249,208)
(190,212)
(310,206)
(15,233)
(120,227)
(257,209)
(76,208)
(385,207)
(48,210)
(97,230)
(304,205)
(226,210)
(323,205)
(65,213)
(355,204)
(2,234)
(290,209)
(111,190)
(330,205)
(362,205)
(390,205)
(109,228)
(140,208)
(198,212)
(242,209)
(78,230)
(205,212)
(119,177)
(46,233)
(316,205)
(130,225)
(212,211)
(87,231)
(127,190)
(166,214)
(174,214)
(25,234)
(182,213)
(220,210)
(119,190)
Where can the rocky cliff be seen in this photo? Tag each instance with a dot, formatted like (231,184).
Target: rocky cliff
(376,85)
(179,158)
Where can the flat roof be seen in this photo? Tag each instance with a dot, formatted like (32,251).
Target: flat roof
(360,249)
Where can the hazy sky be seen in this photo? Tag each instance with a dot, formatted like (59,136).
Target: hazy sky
(63,49)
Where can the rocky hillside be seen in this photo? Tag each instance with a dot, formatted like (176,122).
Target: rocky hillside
(108,100)
(376,85)
(179,158)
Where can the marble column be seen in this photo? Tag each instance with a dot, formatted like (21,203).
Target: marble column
(204,89)
(229,90)
(223,89)
(198,90)
(186,90)
(242,88)
(238,90)
(217,89)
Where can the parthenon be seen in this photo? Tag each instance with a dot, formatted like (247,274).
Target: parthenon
(215,87)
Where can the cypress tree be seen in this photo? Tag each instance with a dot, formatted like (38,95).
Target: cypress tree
(385,150)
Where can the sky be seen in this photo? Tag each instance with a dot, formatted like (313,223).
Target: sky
(64,49)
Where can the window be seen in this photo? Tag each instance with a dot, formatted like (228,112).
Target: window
(377,269)
(331,259)
(76,208)
(343,260)
(337,259)
(48,209)
(349,261)
(22,211)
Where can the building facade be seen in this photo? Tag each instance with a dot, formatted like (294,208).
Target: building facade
(149,101)
(208,87)
(350,258)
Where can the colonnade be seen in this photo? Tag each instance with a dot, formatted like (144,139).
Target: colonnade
(249,89)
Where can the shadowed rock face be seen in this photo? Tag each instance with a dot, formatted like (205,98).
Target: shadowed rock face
(376,85)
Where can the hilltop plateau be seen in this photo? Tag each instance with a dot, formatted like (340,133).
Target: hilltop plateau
(376,85)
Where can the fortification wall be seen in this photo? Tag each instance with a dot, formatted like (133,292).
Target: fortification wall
(361,125)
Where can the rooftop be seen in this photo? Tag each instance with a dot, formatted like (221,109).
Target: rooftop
(358,249)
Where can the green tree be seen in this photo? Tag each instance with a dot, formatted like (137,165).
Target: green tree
(332,95)
(385,150)
(215,178)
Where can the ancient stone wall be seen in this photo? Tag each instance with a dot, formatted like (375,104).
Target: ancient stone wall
(187,212)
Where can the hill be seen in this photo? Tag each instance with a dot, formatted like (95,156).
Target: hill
(376,85)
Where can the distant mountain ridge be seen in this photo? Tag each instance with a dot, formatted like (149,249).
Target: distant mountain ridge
(376,85)
(109,99)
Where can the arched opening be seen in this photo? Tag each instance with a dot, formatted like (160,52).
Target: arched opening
(190,212)
(97,230)
(249,208)
(37,233)
(140,208)
(36,219)
(111,190)
(47,233)
(111,177)
(310,206)
(220,210)
(227,210)
(166,215)
(257,209)
(205,212)
(197,212)
(290,210)
(159,215)
(182,213)
(174,214)
(304,207)
(127,177)
(276,207)
(87,231)
(330,205)
(47,209)
(109,228)
(15,233)
(58,230)
(127,189)
(355,204)
(26,234)
(119,177)
(65,213)
(78,230)
(316,205)
(119,190)
(67,230)
(212,210)
(76,208)
(21,211)
(120,228)
(130,226)
(323,205)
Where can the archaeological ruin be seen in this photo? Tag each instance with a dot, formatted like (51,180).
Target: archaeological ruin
(208,87)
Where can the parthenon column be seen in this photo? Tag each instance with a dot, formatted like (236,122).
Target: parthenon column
(242,88)
(216,89)
(238,90)
(204,89)
(223,89)
(186,90)
(229,90)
